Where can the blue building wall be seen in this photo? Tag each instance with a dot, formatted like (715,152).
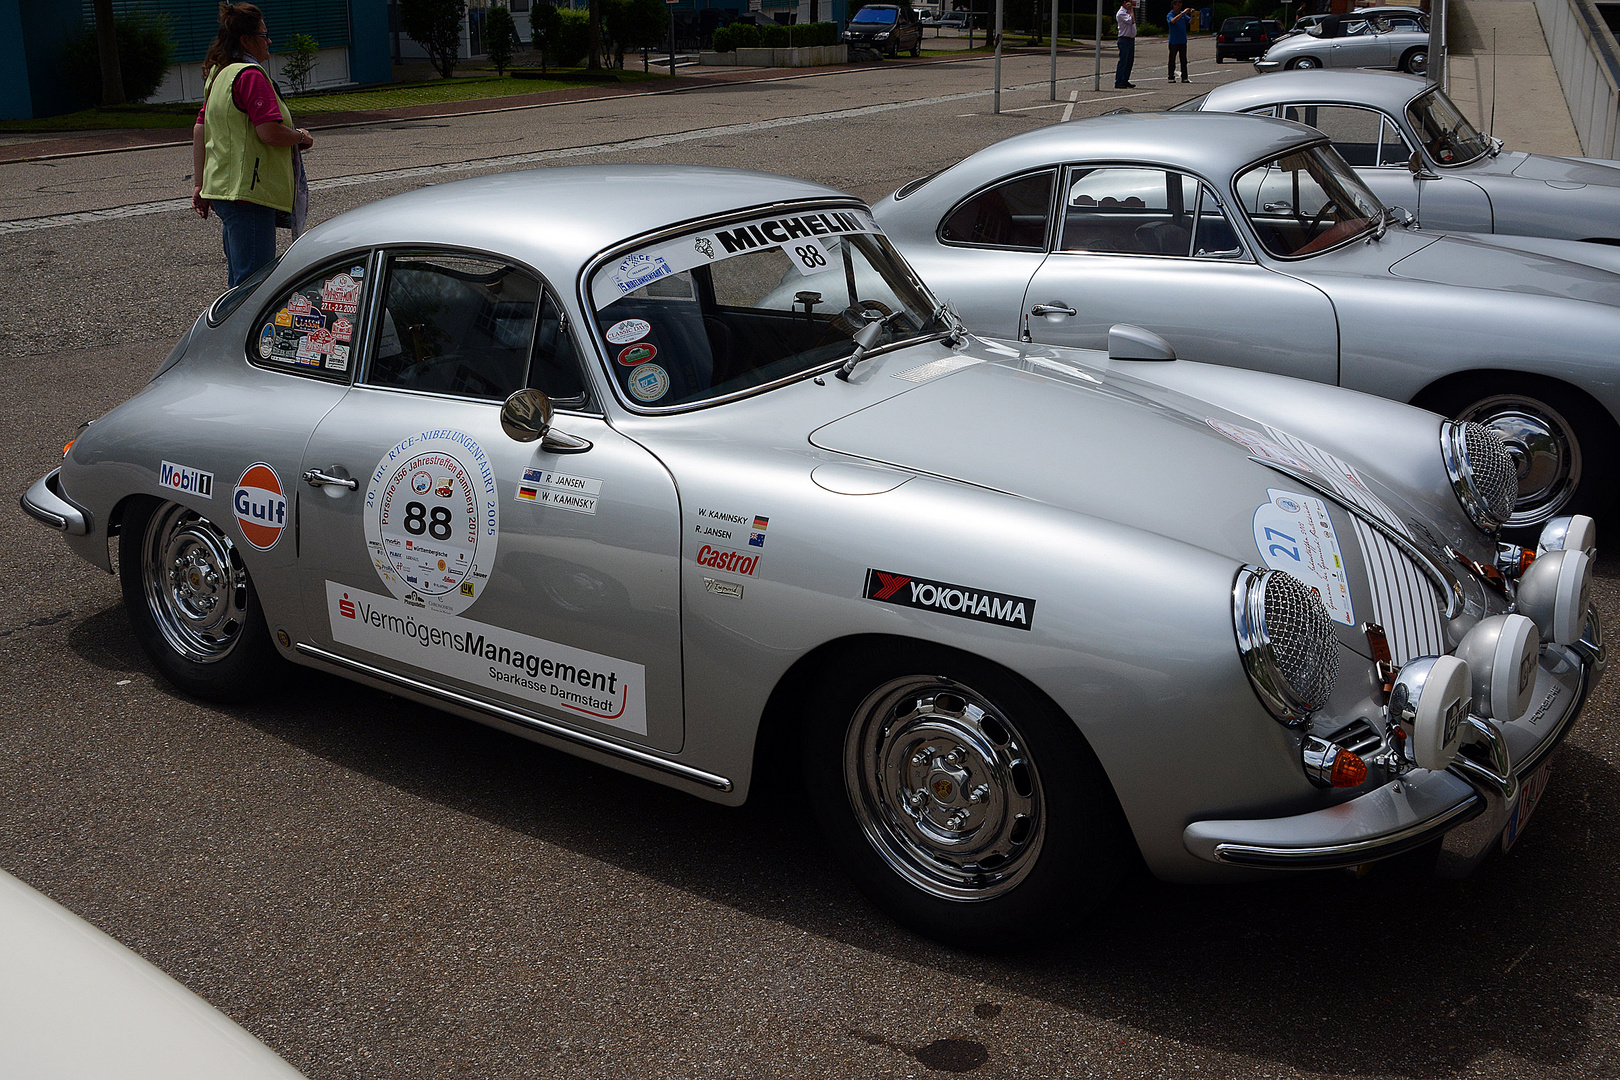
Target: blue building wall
(370,51)
(32,33)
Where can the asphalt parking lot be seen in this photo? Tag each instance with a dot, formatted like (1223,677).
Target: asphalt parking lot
(379,890)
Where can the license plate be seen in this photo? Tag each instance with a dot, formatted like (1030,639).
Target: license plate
(1529,795)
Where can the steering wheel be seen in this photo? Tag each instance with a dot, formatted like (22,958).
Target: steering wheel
(1316,222)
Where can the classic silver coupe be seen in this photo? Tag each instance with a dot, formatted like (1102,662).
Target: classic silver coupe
(719,494)
(1463,180)
(1248,241)
(1359,40)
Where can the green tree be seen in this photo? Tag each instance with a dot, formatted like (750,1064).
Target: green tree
(634,24)
(112,75)
(500,38)
(145,52)
(300,62)
(436,26)
(545,25)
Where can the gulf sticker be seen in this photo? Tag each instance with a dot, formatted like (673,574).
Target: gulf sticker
(627,330)
(260,506)
(341,294)
(636,355)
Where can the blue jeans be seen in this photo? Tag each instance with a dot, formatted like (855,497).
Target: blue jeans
(1127,57)
(250,237)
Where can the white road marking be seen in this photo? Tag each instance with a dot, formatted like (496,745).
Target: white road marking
(1068,113)
(56,221)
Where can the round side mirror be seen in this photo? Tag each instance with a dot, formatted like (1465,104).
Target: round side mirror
(1414,164)
(526,415)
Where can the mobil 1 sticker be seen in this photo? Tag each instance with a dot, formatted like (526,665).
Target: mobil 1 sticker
(1294,533)
(433,520)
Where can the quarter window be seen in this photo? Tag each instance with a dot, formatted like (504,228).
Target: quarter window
(1138,211)
(311,328)
(1010,215)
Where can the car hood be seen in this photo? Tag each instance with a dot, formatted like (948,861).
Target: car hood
(1474,264)
(1558,171)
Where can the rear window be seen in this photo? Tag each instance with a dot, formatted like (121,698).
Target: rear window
(232,299)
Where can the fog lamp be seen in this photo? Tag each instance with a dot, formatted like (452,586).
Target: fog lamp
(1577,533)
(1556,592)
(1501,653)
(1430,701)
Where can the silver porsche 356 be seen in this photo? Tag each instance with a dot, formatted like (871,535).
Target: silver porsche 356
(709,495)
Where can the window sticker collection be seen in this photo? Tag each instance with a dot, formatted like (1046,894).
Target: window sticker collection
(315,328)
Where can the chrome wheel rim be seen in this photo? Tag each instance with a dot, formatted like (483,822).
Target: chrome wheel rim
(944,788)
(1545,452)
(1305,65)
(1419,61)
(196,587)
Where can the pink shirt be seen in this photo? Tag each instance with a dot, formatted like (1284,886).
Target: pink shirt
(255,96)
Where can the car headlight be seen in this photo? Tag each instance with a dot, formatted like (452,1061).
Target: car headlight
(1482,472)
(883,35)
(1286,639)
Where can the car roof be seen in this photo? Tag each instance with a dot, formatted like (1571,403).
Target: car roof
(555,219)
(1385,90)
(1185,140)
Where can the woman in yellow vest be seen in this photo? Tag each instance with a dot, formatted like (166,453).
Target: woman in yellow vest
(241,146)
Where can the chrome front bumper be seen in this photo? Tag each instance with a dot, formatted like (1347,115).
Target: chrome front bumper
(45,502)
(1264,66)
(1468,805)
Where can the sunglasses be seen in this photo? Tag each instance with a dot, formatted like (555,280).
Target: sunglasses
(265,36)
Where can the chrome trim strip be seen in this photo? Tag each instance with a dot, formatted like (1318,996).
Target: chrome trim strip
(513,716)
(1355,852)
(44,503)
(1443,580)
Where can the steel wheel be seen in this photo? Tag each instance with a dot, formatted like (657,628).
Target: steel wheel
(191,602)
(944,788)
(1416,61)
(195,585)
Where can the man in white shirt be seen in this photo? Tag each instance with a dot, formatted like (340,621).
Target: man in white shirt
(1126,18)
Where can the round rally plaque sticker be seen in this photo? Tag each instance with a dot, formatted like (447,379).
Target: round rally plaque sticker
(625,331)
(433,520)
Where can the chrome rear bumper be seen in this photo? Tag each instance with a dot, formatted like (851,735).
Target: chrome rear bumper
(45,502)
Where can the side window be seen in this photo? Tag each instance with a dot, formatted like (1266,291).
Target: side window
(1355,132)
(455,325)
(310,329)
(1010,215)
(1130,210)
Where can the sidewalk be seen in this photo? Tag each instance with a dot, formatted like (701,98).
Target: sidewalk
(1531,113)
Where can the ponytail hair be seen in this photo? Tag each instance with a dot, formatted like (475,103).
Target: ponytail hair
(236,21)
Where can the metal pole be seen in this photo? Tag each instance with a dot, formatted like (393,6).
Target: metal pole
(1437,73)
(1000,4)
(671,38)
(1096,74)
(1054,4)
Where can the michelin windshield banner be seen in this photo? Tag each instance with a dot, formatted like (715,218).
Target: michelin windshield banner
(572,681)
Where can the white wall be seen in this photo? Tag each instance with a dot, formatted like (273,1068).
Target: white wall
(184,82)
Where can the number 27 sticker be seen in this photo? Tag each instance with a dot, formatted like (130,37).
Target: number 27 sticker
(1293,532)
(807,254)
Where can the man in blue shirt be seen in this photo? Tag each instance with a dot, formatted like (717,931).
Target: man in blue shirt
(1180,18)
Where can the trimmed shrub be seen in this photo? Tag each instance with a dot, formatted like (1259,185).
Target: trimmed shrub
(573,37)
(145,52)
(500,38)
(736,36)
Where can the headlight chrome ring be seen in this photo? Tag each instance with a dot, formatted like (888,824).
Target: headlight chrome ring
(1482,472)
(1286,640)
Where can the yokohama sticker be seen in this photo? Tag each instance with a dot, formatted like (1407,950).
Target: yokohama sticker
(1001,609)
(260,506)
(575,683)
(433,520)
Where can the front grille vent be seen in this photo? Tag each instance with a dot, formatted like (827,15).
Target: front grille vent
(1358,737)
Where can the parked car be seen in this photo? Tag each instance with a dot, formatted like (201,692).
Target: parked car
(886,29)
(1242,38)
(1250,242)
(956,20)
(1465,181)
(683,470)
(75,1003)
(1352,41)
(1401,18)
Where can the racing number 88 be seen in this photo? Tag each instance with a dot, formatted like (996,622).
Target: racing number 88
(418,521)
(811,255)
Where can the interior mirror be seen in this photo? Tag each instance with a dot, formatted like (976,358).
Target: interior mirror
(526,415)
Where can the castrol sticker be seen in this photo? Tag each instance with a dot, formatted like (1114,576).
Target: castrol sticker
(1294,533)
(433,520)
(260,506)
(626,331)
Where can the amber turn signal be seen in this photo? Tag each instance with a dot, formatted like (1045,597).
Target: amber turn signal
(68,446)
(1348,770)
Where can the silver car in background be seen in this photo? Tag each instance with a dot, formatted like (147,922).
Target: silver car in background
(1464,180)
(1248,241)
(1360,40)
(684,471)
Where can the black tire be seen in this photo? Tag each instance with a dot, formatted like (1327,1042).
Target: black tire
(916,50)
(1416,61)
(192,604)
(1011,832)
(1564,443)
(1219,59)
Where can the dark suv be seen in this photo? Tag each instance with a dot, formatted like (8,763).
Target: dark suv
(885,29)
(1242,38)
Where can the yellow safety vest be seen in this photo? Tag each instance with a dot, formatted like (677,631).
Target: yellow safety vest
(237,164)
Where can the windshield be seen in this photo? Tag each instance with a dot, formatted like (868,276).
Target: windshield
(875,15)
(1306,201)
(1445,132)
(720,310)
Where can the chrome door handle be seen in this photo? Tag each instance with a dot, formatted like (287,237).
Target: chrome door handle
(1052,309)
(316,478)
